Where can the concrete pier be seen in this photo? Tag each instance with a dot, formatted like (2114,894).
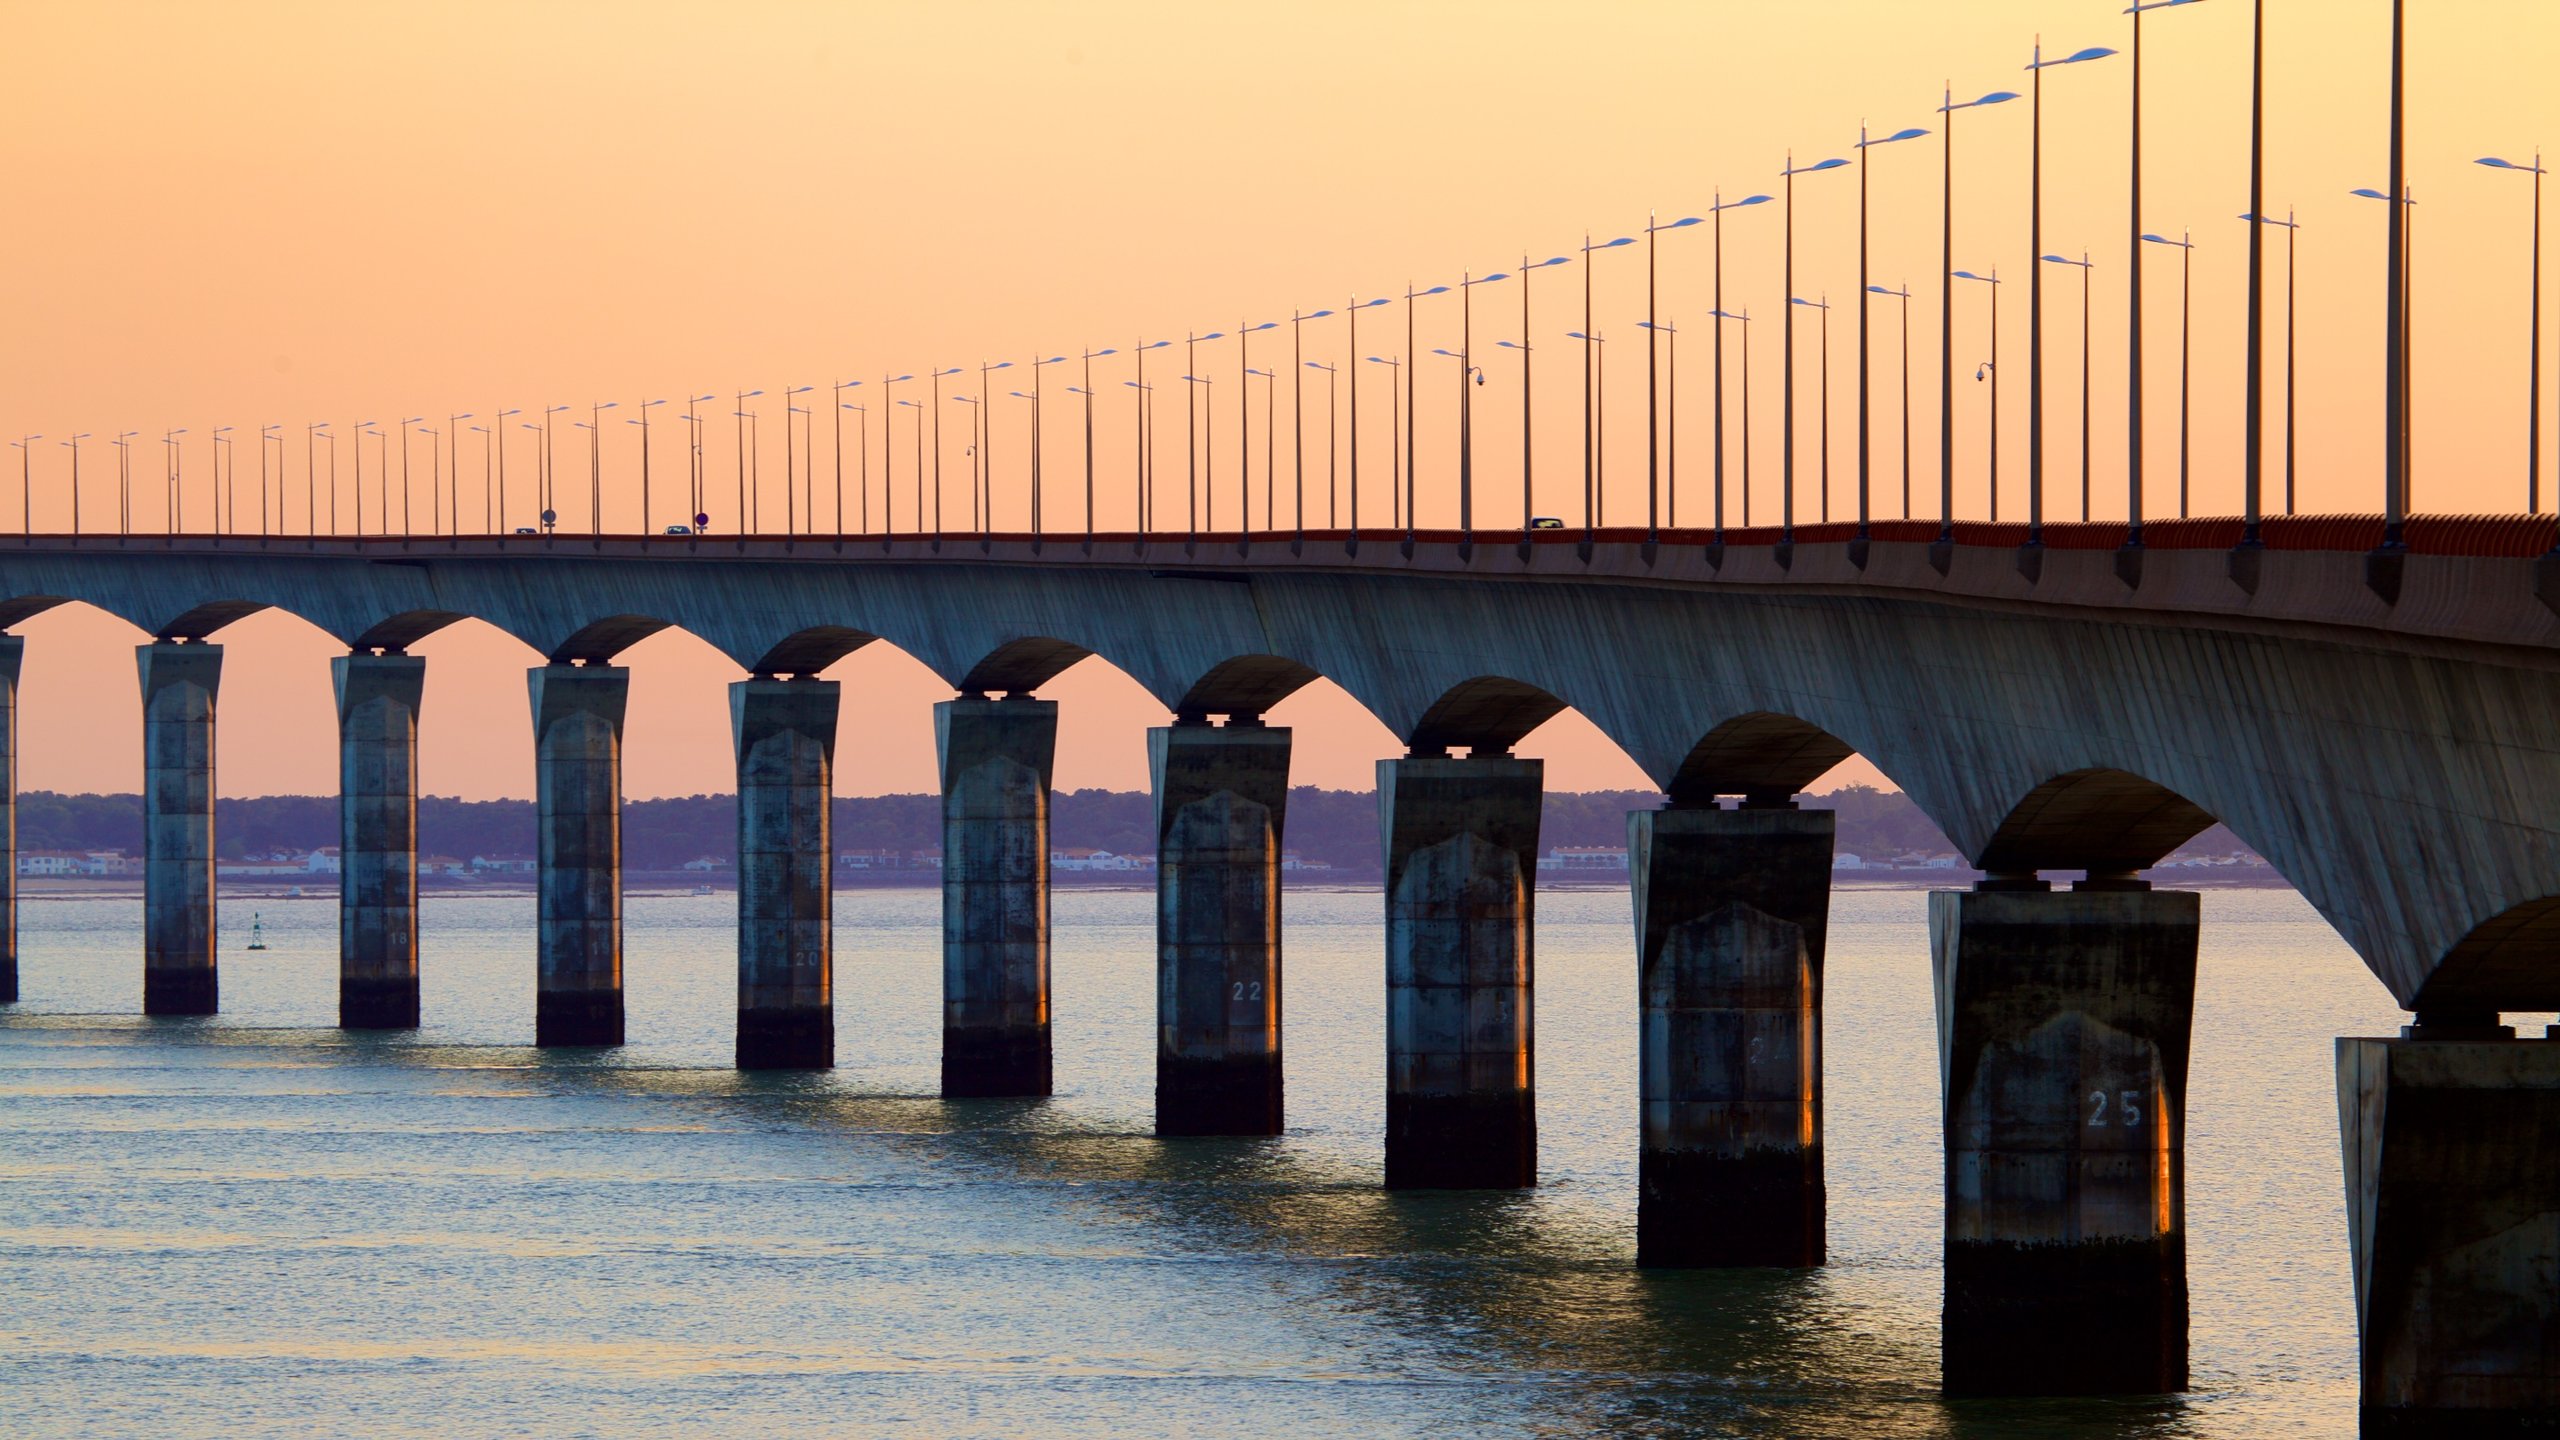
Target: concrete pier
(577,750)
(786,745)
(2063,1020)
(2453,1212)
(378,697)
(1222,797)
(1461,859)
(13,650)
(1731,908)
(178,687)
(996,757)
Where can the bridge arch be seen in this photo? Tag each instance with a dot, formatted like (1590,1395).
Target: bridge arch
(1021,665)
(2102,820)
(398,632)
(598,641)
(1761,755)
(811,649)
(1246,685)
(1487,714)
(2510,961)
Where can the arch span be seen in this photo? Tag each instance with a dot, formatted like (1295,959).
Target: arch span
(598,641)
(806,652)
(2100,820)
(1761,755)
(1021,666)
(1488,715)
(399,632)
(1246,685)
(199,621)
(2510,961)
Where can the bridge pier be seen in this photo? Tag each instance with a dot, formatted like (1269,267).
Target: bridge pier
(1222,797)
(378,697)
(2453,1214)
(577,748)
(996,757)
(2063,1022)
(13,651)
(1731,909)
(786,741)
(1462,847)
(179,682)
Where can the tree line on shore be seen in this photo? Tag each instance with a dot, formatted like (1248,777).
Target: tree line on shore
(1337,828)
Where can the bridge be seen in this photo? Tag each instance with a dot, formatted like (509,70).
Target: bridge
(2381,722)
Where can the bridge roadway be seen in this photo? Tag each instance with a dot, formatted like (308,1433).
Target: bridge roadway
(2383,727)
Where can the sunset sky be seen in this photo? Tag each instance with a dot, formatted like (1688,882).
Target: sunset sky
(271,213)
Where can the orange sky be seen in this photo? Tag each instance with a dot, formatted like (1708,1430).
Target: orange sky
(280,213)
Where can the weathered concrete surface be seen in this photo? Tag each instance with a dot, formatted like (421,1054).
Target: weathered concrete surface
(13,651)
(1732,908)
(2063,1020)
(1461,839)
(785,731)
(2453,1209)
(2071,721)
(378,698)
(179,683)
(577,763)
(996,757)
(1222,797)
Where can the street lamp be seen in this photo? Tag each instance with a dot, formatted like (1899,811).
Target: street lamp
(173,476)
(1990,370)
(1528,395)
(697,468)
(1652,387)
(1351,538)
(835,449)
(1036,367)
(2083,266)
(888,465)
(2533,382)
(488,466)
(311,476)
(494,504)
(1298,418)
(1144,452)
(1244,433)
(1191,402)
(25,447)
(222,476)
(1671,445)
(1593,481)
(1192,540)
(2400,423)
(550,517)
(935,379)
(2133,370)
(985,499)
(435,494)
(1595,423)
(2293,231)
(2186,270)
(2036,66)
(265,434)
(1945,553)
(1332,491)
(975,454)
(918,407)
(1395,435)
(1823,305)
(1903,295)
(1412,412)
(1716,210)
(1858,549)
(1270,428)
(1466,410)
(364,428)
(643,423)
(1745,318)
(595,461)
(861,447)
(1089,357)
(1787,410)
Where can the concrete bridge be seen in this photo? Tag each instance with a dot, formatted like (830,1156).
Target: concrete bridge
(2383,726)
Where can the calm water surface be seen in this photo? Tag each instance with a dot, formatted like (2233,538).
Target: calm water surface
(258,1225)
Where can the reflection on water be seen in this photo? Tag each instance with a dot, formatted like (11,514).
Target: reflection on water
(256,1223)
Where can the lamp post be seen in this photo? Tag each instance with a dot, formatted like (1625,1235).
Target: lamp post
(1671,446)
(73,445)
(2036,66)
(986,497)
(222,476)
(435,472)
(453,427)
(1298,418)
(835,447)
(1244,433)
(311,478)
(2185,244)
(643,422)
(1745,318)
(697,468)
(2400,423)
(595,460)
(1270,421)
(550,497)
(935,379)
(25,446)
(1787,409)
(1466,410)
(1946,322)
(2082,265)
(1858,550)
(1089,357)
(1395,436)
(268,433)
(1903,295)
(1192,540)
(2292,232)
(356,488)
(1412,413)
(1823,305)
(888,466)
(918,407)
(1144,452)
(790,473)
(975,409)
(124,482)
(861,448)
(2133,340)
(1351,537)
(494,503)
(1191,435)
(1652,384)
(1332,491)
(1592,479)
(2533,342)
(1528,394)
(1595,489)
(1719,316)
(1990,370)
(489,439)
(1036,367)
